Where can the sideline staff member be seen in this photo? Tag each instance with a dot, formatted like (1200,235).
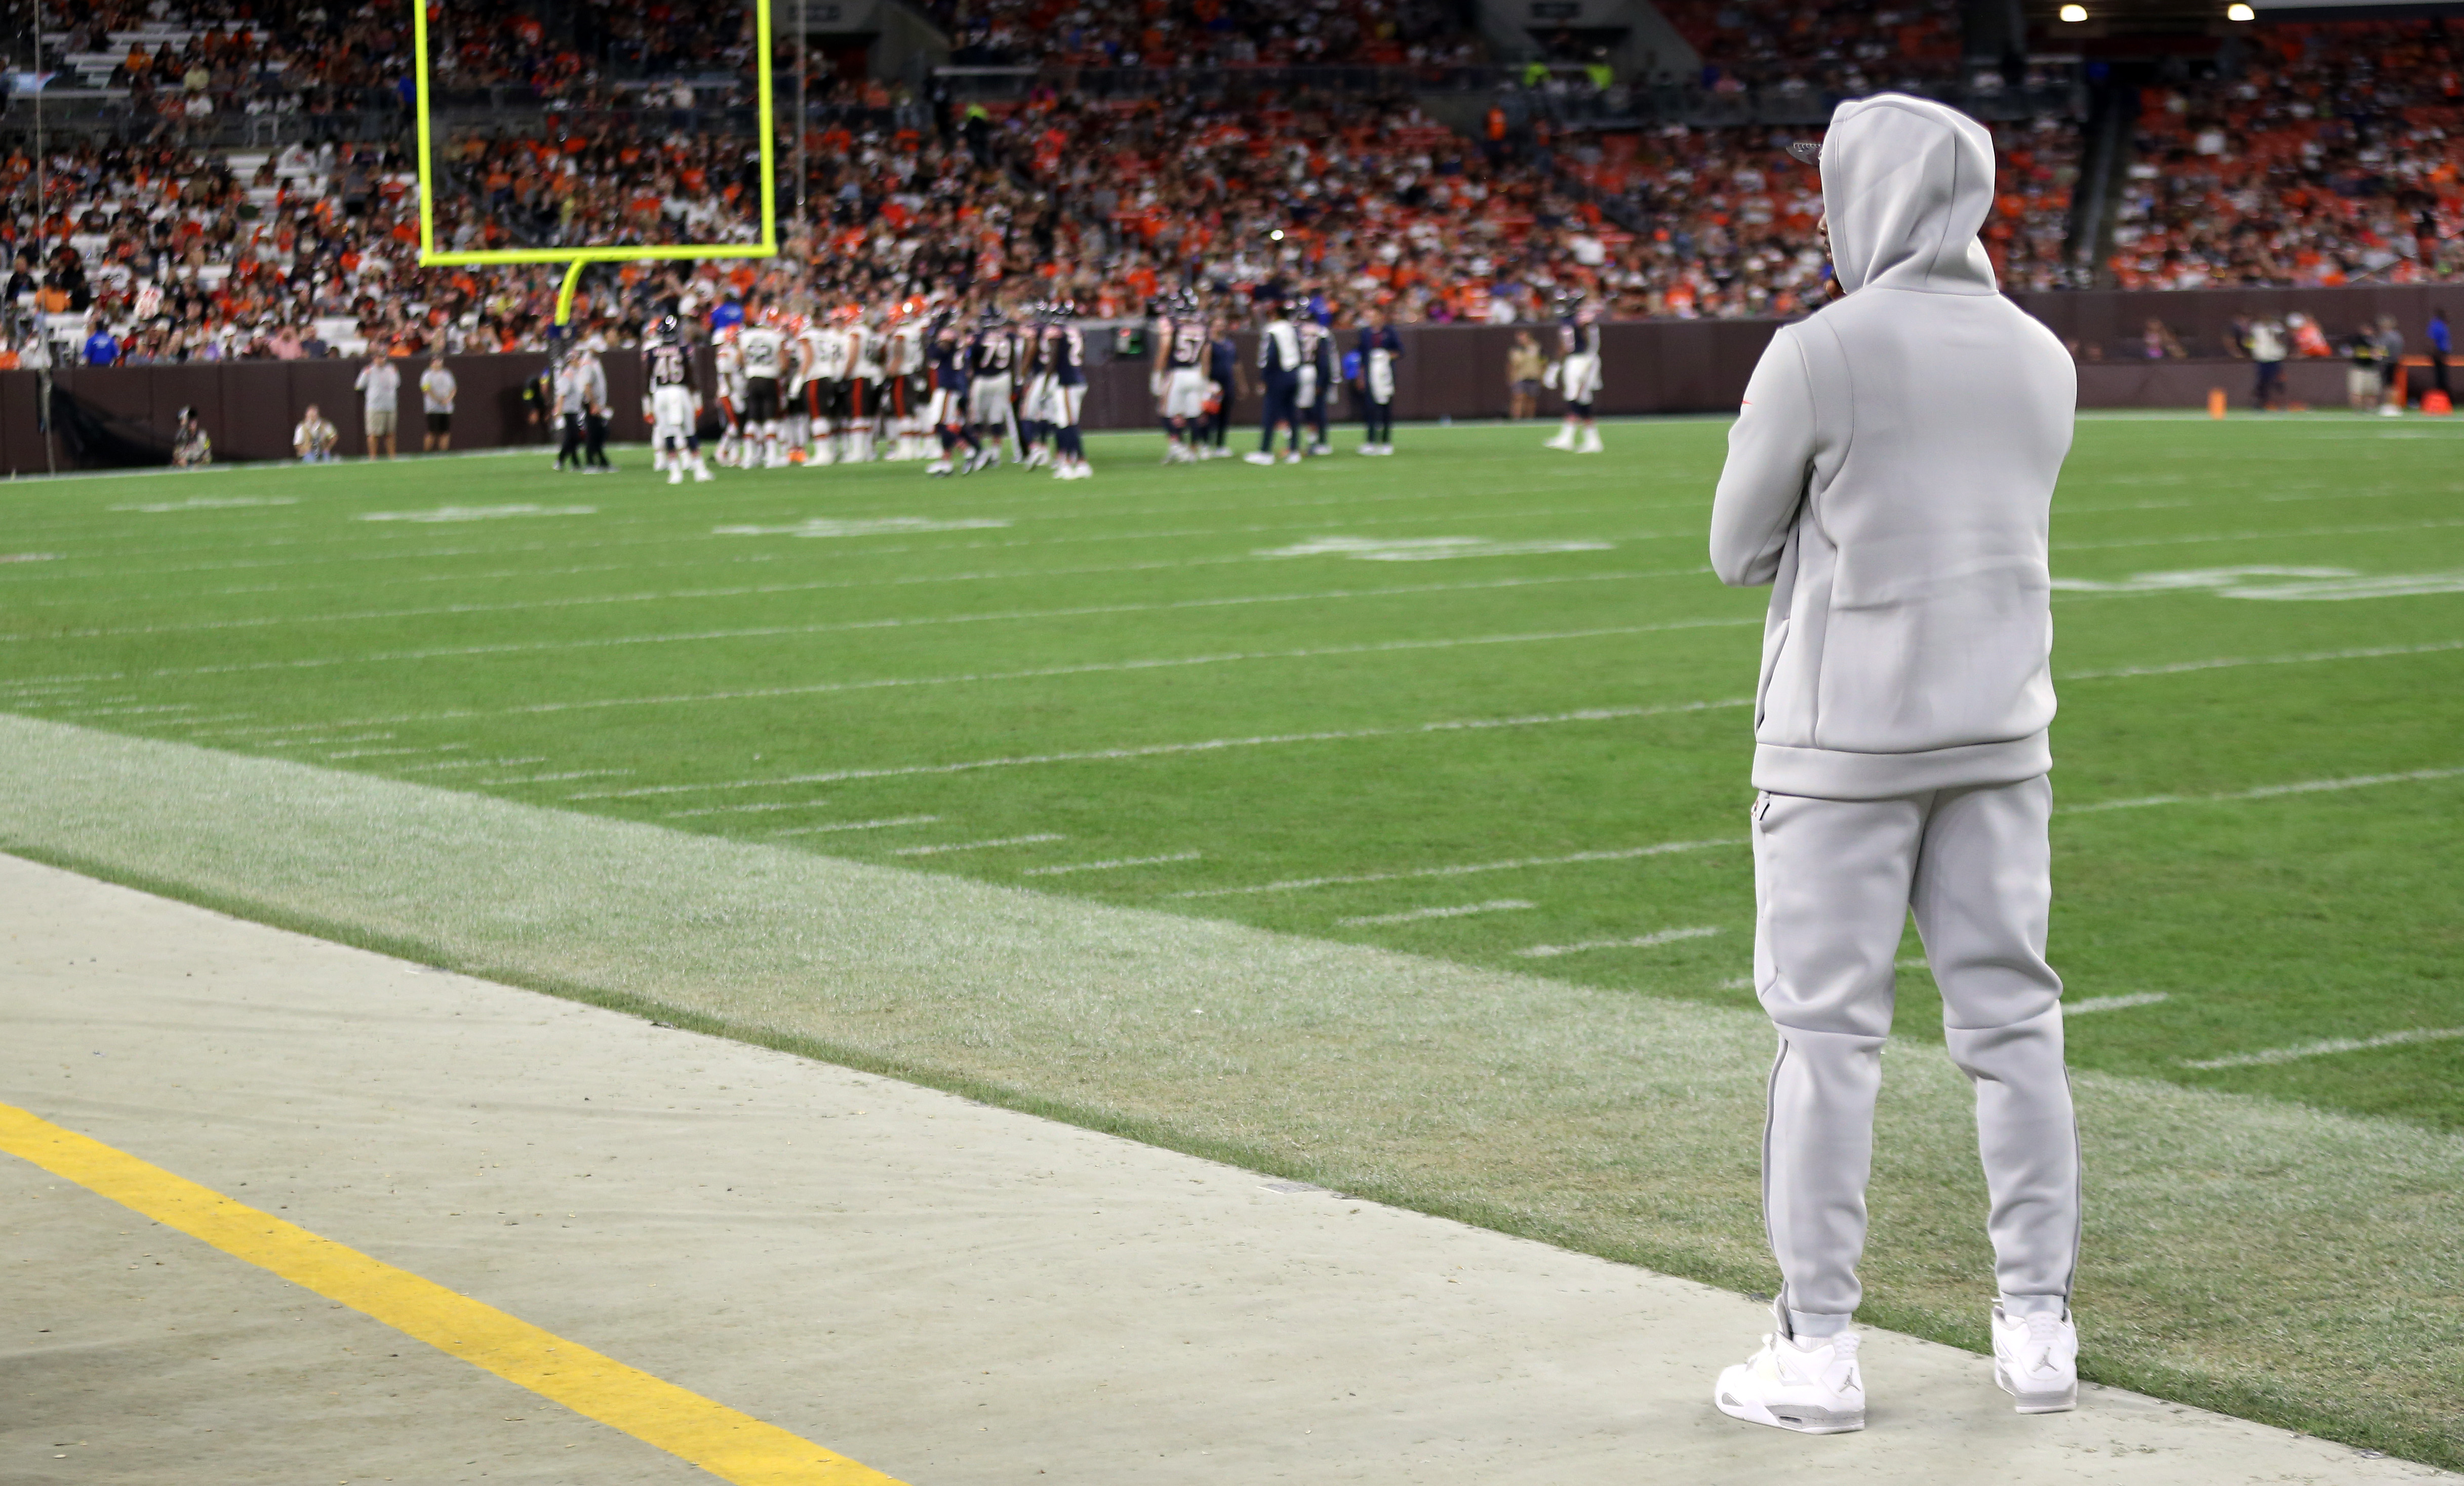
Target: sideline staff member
(436,389)
(1891,476)
(383,385)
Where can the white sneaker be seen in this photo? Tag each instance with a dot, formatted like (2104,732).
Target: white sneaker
(1292,456)
(2036,1360)
(1591,443)
(702,474)
(1259,457)
(675,477)
(1564,439)
(938,467)
(1811,1386)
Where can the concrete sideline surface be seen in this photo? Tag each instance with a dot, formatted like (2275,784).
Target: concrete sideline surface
(2265,1258)
(947,1291)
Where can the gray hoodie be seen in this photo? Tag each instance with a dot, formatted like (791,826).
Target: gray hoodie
(1891,476)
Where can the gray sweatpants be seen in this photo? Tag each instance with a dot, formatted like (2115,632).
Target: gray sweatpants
(1833,883)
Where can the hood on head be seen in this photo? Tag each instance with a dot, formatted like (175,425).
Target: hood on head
(1907,182)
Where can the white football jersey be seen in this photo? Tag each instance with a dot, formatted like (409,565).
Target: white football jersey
(907,348)
(867,352)
(730,363)
(765,350)
(831,354)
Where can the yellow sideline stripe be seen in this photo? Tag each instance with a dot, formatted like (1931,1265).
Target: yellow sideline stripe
(733,1446)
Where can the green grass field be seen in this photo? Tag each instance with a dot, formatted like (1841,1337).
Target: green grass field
(1313,699)
(1478,701)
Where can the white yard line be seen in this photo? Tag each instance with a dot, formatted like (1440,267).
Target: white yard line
(1110,866)
(2356,781)
(845,626)
(471,763)
(1048,672)
(936,848)
(2114,1003)
(745,810)
(2257,537)
(565,778)
(2321,1049)
(856,825)
(1548,952)
(1465,869)
(396,753)
(1424,916)
(1163,749)
(359,738)
(2226,663)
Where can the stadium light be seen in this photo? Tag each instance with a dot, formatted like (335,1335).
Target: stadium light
(2074,13)
(2240,12)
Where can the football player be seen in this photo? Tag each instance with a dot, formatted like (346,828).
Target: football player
(1035,413)
(671,403)
(1279,365)
(763,346)
(1184,360)
(864,382)
(1223,369)
(910,381)
(992,356)
(1317,377)
(1065,356)
(729,360)
(946,408)
(830,355)
(1578,378)
(1380,348)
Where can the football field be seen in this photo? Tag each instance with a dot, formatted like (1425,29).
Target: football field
(1478,703)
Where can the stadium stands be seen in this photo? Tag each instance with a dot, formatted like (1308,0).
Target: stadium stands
(2332,158)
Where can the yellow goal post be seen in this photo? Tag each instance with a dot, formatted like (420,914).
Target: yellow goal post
(430,255)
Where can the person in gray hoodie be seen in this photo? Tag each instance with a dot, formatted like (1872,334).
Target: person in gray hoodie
(1891,476)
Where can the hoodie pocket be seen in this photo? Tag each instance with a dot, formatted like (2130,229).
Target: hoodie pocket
(1774,642)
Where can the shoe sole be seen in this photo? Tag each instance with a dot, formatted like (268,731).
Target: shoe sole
(2062,1401)
(1795,1418)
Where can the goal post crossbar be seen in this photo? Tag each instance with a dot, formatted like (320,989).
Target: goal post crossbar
(431,255)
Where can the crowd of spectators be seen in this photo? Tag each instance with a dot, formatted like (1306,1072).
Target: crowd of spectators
(2330,153)
(1825,46)
(1106,204)
(2333,154)
(1208,33)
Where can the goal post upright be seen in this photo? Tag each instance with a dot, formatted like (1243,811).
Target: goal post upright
(580,259)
